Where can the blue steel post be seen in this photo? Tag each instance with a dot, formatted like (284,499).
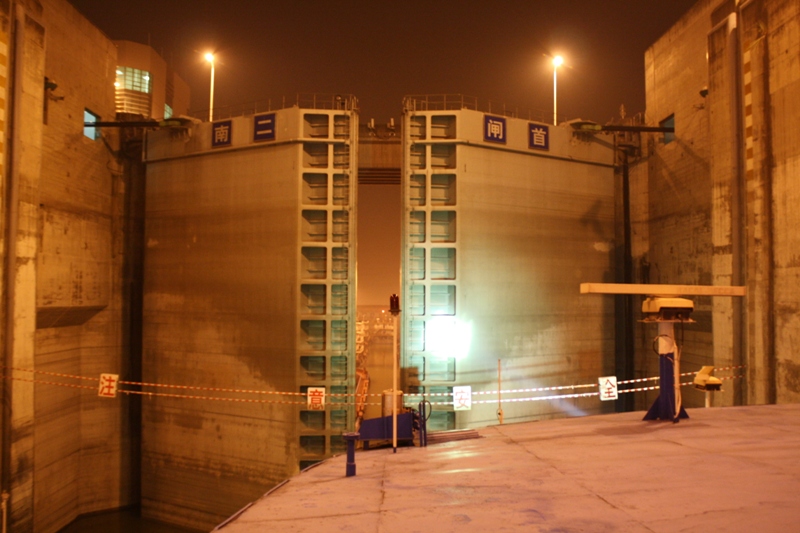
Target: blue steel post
(351,439)
(423,424)
(665,406)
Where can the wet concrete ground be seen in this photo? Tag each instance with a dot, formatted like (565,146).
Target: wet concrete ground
(724,469)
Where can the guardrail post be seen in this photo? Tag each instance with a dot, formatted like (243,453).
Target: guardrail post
(423,425)
(351,439)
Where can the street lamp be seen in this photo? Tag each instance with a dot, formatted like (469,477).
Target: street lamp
(210,58)
(557,62)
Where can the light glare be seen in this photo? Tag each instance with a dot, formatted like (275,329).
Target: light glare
(447,337)
(558,61)
(209,57)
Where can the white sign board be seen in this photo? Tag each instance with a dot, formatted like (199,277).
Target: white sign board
(316,398)
(608,388)
(462,398)
(108,385)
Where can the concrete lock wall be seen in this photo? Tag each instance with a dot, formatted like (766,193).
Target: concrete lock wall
(498,235)
(250,270)
(715,204)
(66,451)
(671,191)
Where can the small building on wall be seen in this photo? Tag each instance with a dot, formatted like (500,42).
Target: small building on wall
(146,85)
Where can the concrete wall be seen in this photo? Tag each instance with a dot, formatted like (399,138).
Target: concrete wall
(671,190)
(181,94)
(782,77)
(715,205)
(528,226)
(66,451)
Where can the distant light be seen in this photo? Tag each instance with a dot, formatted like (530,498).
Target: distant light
(558,61)
(209,57)
(146,77)
(116,84)
(119,73)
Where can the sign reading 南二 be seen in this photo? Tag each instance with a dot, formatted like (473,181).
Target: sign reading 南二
(538,136)
(316,398)
(462,398)
(494,129)
(221,133)
(608,388)
(264,127)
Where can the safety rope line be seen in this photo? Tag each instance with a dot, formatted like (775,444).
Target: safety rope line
(638,380)
(340,395)
(506,391)
(638,389)
(242,400)
(214,389)
(43,382)
(71,376)
(577,395)
(530,399)
(715,369)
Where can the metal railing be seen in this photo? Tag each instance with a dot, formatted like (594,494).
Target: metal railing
(345,102)
(453,102)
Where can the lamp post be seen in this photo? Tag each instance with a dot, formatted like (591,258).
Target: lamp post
(557,62)
(394,308)
(210,58)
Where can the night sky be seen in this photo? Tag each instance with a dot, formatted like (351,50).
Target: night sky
(381,50)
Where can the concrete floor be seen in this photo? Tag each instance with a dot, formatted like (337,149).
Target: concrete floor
(725,469)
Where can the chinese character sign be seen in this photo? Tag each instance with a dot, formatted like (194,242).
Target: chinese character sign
(221,133)
(108,385)
(494,129)
(538,136)
(264,127)
(608,388)
(462,398)
(316,398)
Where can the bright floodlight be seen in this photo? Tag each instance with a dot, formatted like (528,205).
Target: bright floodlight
(209,57)
(558,61)
(447,337)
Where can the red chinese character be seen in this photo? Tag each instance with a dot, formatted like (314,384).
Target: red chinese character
(610,389)
(316,398)
(461,399)
(108,385)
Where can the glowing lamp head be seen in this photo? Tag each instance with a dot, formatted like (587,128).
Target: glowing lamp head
(558,61)
(447,337)
(209,57)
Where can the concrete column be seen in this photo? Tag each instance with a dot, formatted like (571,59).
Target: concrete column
(757,142)
(724,110)
(21,222)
